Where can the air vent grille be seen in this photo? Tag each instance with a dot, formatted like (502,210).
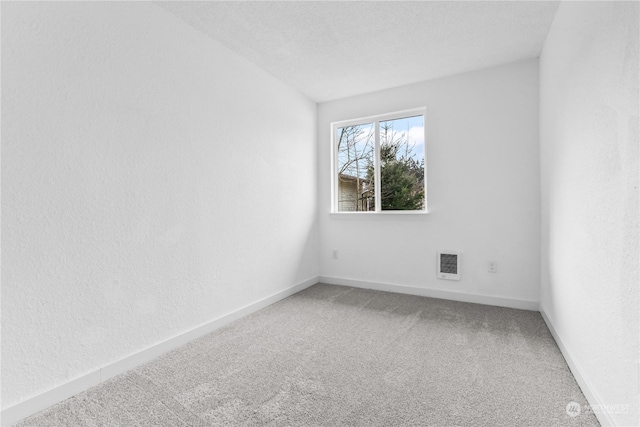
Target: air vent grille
(449,265)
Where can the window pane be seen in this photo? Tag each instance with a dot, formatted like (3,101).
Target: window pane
(402,164)
(356,153)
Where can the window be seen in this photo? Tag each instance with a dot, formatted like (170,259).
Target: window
(388,150)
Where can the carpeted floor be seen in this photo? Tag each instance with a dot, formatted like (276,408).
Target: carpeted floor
(338,356)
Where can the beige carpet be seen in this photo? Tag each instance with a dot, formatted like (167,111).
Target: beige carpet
(338,356)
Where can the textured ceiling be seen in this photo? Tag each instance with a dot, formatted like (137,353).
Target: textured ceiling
(330,50)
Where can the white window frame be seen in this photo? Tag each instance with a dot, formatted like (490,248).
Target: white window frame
(376,123)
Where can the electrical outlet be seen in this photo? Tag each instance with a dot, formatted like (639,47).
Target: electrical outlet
(334,254)
(492,267)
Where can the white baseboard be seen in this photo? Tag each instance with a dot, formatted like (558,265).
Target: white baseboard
(35,404)
(434,293)
(585,385)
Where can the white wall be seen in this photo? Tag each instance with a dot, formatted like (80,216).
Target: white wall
(151,181)
(589,169)
(483,188)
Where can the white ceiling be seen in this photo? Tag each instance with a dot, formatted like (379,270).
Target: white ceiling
(330,50)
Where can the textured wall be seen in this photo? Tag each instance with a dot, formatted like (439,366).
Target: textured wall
(589,169)
(151,181)
(483,188)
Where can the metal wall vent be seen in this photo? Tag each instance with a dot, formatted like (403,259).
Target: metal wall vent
(449,265)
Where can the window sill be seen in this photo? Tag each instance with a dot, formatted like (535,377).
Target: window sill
(383,213)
